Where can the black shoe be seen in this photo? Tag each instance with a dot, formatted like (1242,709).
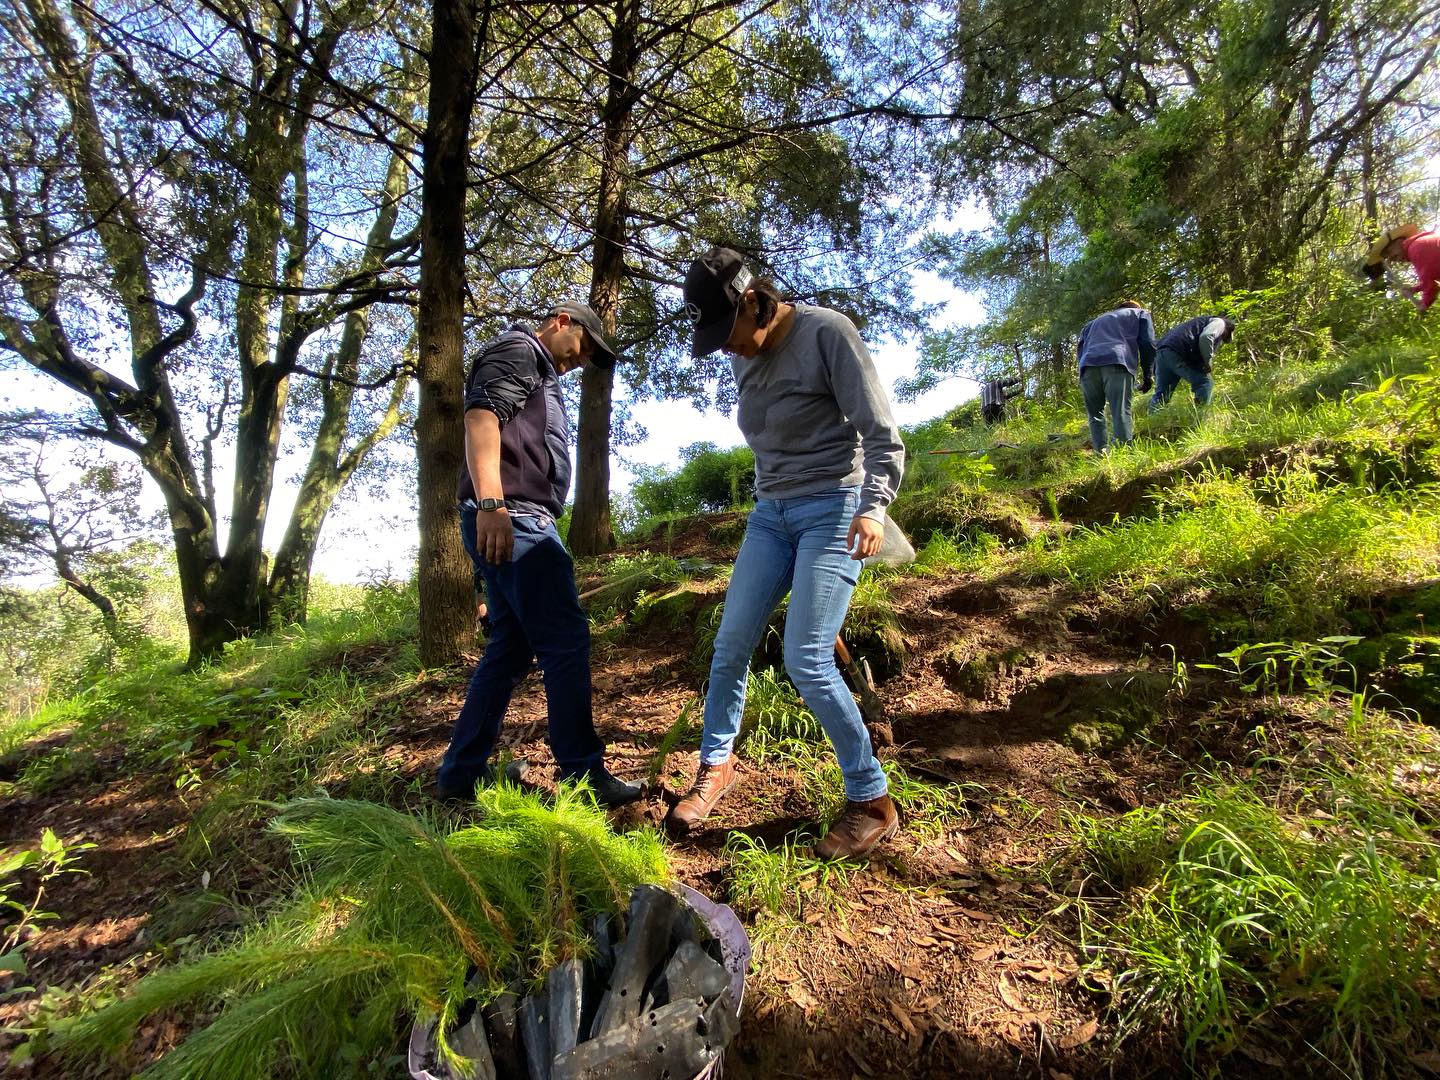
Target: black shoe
(610,791)
(515,771)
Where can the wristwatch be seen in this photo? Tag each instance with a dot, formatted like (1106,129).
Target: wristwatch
(490,505)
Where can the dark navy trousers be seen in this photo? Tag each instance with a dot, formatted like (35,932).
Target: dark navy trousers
(535,615)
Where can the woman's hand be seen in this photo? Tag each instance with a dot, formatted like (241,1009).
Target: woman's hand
(865,537)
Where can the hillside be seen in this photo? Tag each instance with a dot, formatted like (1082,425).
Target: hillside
(1163,742)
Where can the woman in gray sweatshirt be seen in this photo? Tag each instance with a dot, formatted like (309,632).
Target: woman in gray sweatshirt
(828,460)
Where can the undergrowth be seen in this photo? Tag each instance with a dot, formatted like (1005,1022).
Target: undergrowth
(1303,912)
(396,917)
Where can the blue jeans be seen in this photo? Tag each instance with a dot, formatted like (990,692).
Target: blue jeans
(1170,368)
(534,614)
(796,546)
(1113,385)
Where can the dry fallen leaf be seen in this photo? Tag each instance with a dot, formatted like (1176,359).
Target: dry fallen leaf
(978,916)
(1078,1036)
(987,952)
(802,997)
(841,935)
(904,1019)
(1009,993)
(1043,972)
(882,931)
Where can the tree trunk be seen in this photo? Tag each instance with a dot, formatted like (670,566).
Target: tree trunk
(446,610)
(590,529)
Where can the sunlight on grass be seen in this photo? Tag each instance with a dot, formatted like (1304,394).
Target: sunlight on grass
(1221,907)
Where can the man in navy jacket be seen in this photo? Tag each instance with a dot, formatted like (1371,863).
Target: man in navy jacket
(514,486)
(1114,348)
(1188,352)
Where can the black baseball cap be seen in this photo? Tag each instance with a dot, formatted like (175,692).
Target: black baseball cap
(713,288)
(603,355)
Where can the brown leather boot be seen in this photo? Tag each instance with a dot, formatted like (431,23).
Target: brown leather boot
(859,828)
(711,782)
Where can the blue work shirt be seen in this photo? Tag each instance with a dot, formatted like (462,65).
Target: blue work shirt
(1123,336)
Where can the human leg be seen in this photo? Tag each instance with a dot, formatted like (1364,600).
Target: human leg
(539,584)
(1092,389)
(824,579)
(1167,377)
(760,579)
(1202,384)
(1119,390)
(503,667)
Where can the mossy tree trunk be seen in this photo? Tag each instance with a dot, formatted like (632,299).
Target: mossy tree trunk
(444,575)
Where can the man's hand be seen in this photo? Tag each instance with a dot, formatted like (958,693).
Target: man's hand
(494,535)
(1146,382)
(865,537)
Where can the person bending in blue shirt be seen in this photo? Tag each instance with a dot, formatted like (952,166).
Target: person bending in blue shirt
(1114,348)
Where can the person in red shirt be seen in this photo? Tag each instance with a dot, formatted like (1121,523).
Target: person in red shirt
(1420,248)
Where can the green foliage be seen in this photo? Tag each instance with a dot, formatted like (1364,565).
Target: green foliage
(929,808)
(1284,548)
(784,882)
(262,719)
(53,858)
(1230,911)
(776,722)
(683,730)
(53,643)
(1268,665)
(710,479)
(397,916)
(628,576)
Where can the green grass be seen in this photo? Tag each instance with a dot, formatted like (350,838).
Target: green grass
(781,884)
(1306,915)
(1286,548)
(777,724)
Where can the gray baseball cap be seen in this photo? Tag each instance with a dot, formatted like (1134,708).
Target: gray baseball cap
(604,353)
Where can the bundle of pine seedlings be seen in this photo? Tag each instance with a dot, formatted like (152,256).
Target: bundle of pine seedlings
(397,918)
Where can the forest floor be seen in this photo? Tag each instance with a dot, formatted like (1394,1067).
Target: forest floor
(953,950)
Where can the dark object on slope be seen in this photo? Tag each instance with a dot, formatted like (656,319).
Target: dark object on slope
(680,1011)
(502,1023)
(565,988)
(535,1035)
(653,912)
(672,1040)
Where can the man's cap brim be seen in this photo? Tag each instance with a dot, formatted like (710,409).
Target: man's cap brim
(709,338)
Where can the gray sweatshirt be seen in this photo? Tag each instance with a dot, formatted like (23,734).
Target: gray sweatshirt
(816,415)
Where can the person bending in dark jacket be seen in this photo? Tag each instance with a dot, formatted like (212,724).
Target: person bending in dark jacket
(1188,352)
(513,487)
(994,393)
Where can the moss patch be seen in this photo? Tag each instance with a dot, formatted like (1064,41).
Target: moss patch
(979,673)
(965,512)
